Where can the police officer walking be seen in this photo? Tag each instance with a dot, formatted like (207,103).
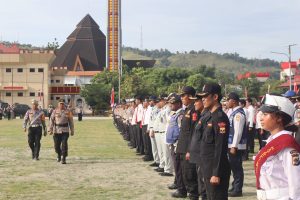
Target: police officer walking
(61,124)
(236,143)
(214,145)
(35,120)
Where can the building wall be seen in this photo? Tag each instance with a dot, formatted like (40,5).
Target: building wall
(27,79)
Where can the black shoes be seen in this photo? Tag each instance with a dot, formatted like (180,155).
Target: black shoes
(178,194)
(147,158)
(172,187)
(63,161)
(154,164)
(58,158)
(159,169)
(235,194)
(165,174)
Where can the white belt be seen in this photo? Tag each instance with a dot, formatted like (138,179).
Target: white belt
(35,125)
(272,194)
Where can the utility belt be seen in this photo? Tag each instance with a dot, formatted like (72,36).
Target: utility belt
(35,125)
(273,194)
(62,125)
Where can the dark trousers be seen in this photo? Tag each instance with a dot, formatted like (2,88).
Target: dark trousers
(190,179)
(262,135)
(201,185)
(79,116)
(0,116)
(8,115)
(34,140)
(236,165)
(61,144)
(134,131)
(250,140)
(147,142)
(131,135)
(140,144)
(218,192)
(178,172)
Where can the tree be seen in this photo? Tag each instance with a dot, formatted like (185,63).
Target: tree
(97,95)
(53,45)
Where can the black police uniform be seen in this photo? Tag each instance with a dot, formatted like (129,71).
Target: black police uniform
(188,183)
(214,132)
(194,150)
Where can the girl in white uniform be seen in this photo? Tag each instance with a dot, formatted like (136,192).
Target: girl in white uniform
(277,165)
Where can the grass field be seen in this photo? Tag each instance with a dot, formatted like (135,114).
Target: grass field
(100,166)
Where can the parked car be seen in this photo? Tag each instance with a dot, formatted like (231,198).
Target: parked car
(20,110)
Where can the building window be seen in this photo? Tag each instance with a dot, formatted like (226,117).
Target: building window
(20,94)
(57,81)
(40,70)
(57,98)
(52,81)
(32,94)
(32,70)
(52,98)
(8,94)
(8,69)
(20,70)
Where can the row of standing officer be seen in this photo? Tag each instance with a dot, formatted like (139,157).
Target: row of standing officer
(60,126)
(197,137)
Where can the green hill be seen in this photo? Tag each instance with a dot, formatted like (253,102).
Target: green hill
(225,62)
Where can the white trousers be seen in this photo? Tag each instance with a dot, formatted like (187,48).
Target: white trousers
(159,144)
(169,165)
(154,150)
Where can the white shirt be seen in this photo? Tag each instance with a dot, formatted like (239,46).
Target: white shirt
(238,123)
(246,113)
(258,117)
(140,112)
(134,117)
(279,173)
(251,111)
(148,115)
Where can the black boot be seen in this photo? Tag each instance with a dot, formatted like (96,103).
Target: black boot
(58,158)
(63,160)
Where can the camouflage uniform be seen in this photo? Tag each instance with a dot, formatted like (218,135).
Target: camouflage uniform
(35,119)
(61,123)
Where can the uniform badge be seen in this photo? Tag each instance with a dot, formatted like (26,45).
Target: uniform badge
(238,117)
(209,125)
(194,117)
(295,157)
(222,127)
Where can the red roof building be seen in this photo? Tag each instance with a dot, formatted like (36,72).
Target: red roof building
(13,49)
(261,76)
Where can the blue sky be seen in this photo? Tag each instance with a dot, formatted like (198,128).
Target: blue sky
(251,28)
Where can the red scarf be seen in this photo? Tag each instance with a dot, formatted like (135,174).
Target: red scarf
(271,149)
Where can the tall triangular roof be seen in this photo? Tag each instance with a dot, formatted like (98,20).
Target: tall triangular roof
(86,42)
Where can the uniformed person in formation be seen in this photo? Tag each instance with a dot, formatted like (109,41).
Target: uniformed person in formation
(187,170)
(277,165)
(214,145)
(35,121)
(236,143)
(61,125)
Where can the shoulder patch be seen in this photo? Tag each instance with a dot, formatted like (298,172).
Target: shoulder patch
(295,157)
(222,127)
(238,118)
(194,117)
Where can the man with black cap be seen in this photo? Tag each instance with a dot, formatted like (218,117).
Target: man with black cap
(35,119)
(188,170)
(236,143)
(61,124)
(172,134)
(214,145)
(194,148)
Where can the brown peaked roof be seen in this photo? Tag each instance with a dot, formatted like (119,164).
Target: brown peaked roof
(87,43)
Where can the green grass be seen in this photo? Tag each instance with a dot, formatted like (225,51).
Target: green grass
(100,166)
